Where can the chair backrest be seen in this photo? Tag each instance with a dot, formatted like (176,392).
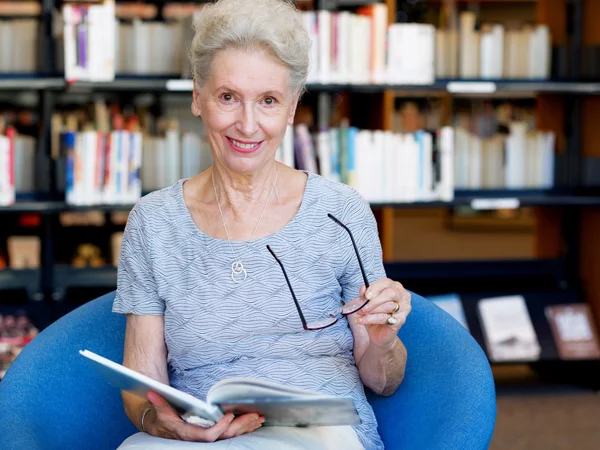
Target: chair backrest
(51,399)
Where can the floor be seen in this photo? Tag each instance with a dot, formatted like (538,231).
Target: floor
(547,418)
(563,421)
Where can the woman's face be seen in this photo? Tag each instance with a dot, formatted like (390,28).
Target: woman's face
(246,105)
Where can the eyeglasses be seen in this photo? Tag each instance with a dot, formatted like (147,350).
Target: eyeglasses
(325,322)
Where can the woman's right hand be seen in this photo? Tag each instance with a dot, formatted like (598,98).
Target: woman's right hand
(163,421)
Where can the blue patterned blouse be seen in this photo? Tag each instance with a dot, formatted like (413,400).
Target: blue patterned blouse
(217,329)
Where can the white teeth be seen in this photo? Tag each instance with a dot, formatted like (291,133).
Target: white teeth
(244,146)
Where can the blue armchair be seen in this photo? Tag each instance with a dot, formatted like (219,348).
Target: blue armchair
(51,399)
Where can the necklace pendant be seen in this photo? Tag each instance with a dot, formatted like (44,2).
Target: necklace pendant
(237,271)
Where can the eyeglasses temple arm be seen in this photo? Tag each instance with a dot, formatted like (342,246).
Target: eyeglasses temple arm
(362,269)
(302,318)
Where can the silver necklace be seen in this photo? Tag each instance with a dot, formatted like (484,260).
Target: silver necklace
(237,268)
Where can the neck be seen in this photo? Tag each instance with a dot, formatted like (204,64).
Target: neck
(240,192)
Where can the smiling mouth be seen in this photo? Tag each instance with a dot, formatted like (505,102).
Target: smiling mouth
(244,145)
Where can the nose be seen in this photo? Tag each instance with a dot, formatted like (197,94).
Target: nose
(248,121)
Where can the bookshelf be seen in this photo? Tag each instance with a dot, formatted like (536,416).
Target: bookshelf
(566,254)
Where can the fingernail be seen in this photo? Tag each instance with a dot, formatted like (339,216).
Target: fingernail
(369,294)
(262,420)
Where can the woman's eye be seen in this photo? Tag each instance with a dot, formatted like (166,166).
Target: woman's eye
(270,101)
(227,97)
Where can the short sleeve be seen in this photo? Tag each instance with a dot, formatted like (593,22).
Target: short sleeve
(359,219)
(137,292)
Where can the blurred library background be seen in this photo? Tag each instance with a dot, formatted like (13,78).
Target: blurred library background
(472,127)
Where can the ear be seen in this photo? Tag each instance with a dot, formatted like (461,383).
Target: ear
(292,114)
(196,110)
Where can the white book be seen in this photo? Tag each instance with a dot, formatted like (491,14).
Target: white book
(441,53)
(469,46)
(72,72)
(7,187)
(126,49)
(452,304)
(512,53)
(89,144)
(362,162)
(24,40)
(6,47)
(361,49)
(446,147)
(492,52)
(411,54)
(475,162)
(344,48)
(531,161)
(411,175)
(515,155)
(279,404)
(324,27)
(101,45)
(141,51)
(493,176)
(379,44)
(390,167)
(309,19)
(377,174)
(508,330)
(424,166)
(395,166)
(24,164)
(539,53)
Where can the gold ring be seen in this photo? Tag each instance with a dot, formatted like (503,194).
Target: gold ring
(396,307)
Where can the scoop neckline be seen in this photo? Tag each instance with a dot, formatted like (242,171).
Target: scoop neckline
(190,220)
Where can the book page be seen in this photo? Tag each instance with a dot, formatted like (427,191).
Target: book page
(282,405)
(243,389)
(138,384)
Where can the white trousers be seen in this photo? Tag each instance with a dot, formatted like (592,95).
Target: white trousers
(267,438)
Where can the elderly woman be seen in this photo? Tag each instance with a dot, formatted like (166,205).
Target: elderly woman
(206,299)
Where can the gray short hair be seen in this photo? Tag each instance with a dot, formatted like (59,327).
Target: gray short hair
(274,25)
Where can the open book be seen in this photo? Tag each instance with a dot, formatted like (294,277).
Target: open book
(279,404)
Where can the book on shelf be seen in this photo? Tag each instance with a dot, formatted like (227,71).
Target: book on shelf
(494,51)
(17,163)
(575,334)
(172,155)
(88,33)
(279,404)
(452,304)
(19,45)
(522,159)
(507,329)
(101,168)
(7,167)
(369,161)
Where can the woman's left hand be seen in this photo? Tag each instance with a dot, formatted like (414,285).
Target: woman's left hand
(387,298)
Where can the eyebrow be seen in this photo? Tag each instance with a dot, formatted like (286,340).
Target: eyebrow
(266,93)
